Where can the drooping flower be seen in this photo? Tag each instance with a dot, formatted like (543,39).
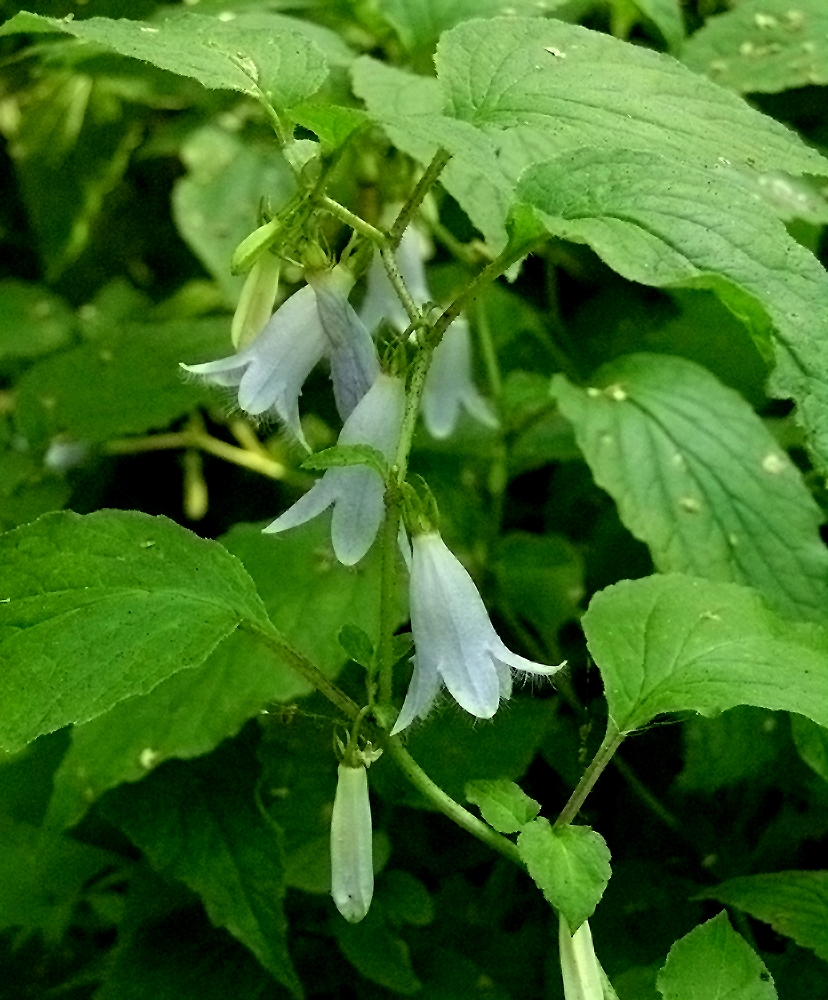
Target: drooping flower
(582,975)
(352,871)
(454,640)
(315,322)
(356,491)
(449,386)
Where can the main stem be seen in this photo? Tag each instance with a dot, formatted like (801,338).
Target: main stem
(415,199)
(612,741)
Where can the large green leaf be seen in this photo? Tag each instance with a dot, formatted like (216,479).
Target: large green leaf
(126,381)
(763,45)
(811,742)
(713,962)
(663,223)
(570,864)
(198,822)
(33,320)
(283,64)
(676,643)
(306,591)
(793,903)
(698,477)
(98,608)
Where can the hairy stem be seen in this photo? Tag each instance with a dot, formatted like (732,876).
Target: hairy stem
(611,743)
(446,804)
(415,199)
(389,262)
(356,223)
(388,602)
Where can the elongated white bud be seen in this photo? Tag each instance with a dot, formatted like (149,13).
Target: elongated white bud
(582,977)
(352,870)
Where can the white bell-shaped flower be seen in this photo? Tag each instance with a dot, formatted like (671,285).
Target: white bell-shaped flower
(352,870)
(454,640)
(315,322)
(449,387)
(356,491)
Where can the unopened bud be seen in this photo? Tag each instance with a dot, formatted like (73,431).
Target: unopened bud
(252,247)
(256,301)
(352,868)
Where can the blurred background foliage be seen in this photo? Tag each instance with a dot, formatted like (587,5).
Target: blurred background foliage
(125,189)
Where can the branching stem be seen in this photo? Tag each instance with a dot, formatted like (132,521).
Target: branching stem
(415,199)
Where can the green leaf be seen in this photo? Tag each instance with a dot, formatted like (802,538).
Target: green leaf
(561,87)
(793,903)
(570,864)
(198,822)
(333,124)
(713,962)
(763,45)
(663,223)
(306,590)
(698,478)
(677,643)
(811,743)
(667,17)
(356,644)
(503,804)
(33,320)
(419,23)
(379,954)
(283,64)
(343,455)
(127,381)
(540,579)
(42,878)
(216,205)
(404,899)
(98,608)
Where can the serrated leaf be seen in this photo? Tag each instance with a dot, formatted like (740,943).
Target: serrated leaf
(570,864)
(98,608)
(713,962)
(676,643)
(794,903)
(663,223)
(503,804)
(763,46)
(698,478)
(811,742)
(127,381)
(284,64)
(198,822)
(342,455)
(305,590)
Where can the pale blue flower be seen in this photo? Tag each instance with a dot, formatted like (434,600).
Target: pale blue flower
(356,491)
(313,323)
(583,978)
(449,386)
(352,870)
(454,640)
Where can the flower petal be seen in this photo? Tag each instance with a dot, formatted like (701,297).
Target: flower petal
(423,689)
(358,512)
(381,301)
(352,871)
(450,386)
(318,498)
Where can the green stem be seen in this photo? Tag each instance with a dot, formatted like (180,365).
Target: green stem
(284,135)
(446,804)
(412,408)
(415,199)
(389,262)
(484,332)
(356,223)
(612,741)
(302,665)
(388,601)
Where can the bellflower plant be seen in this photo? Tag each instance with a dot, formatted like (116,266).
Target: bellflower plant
(352,871)
(454,639)
(449,386)
(315,322)
(356,491)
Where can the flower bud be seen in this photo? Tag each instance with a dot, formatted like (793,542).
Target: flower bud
(256,301)
(352,869)
(581,972)
(252,247)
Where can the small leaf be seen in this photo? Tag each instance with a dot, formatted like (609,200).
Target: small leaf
(793,903)
(98,608)
(570,864)
(503,804)
(198,822)
(356,644)
(342,455)
(676,643)
(699,478)
(713,962)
